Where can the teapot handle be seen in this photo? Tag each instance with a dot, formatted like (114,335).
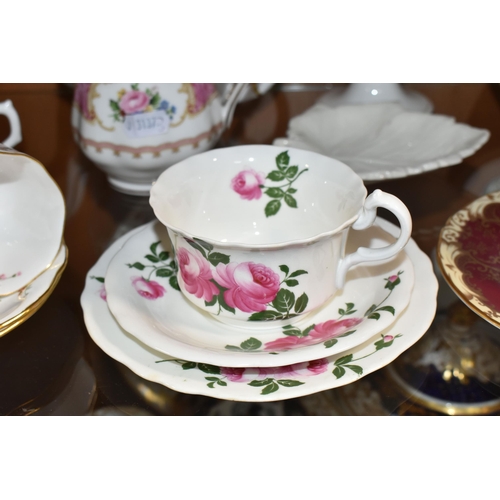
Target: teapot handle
(233,92)
(15,137)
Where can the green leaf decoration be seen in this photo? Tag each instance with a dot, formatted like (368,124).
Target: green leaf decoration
(289,383)
(251,344)
(276,175)
(137,265)
(265,316)
(152,258)
(164,272)
(392,284)
(290,201)
(291,172)
(198,247)
(164,255)
(341,312)
(282,160)
(355,368)
(284,301)
(260,383)
(134,86)
(291,190)
(305,333)
(204,244)
(344,360)
(98,278)
(293,332)
(211,385)
(349,305)
(291,283)
(211,302)
(272,387)
(206,368)
(346,334)
(301,303)
(174,283)
(232,348)
(272,208)
(388,309)
(212,379)
(330,343)
(222,383)
(155,101)
(375,316)
(223,304)
(339,372)
(297,273)
(275,192)
(285,269)
(153,247)
(114,105)
(188,365)
(217,258)
(370,310)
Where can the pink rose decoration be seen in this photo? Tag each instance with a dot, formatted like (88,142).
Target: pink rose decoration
(393,278)
(233,374)
(196,274)
(388,338)
(81,97)
(147,289)
(202,93)
(134,101)
(250,287)
(320,333)
(102,293)
(248,184)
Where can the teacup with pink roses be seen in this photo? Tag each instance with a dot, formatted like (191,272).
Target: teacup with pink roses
(259,232)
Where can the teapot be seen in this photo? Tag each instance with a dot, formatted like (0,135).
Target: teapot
(134,131)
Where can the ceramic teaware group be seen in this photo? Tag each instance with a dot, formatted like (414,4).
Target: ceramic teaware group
(259,232)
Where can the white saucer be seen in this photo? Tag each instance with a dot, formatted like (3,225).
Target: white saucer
(18,307)
(32,216)
(162,318)
(255,384)
(383,141)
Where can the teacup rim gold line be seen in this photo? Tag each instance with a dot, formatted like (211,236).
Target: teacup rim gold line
(29,311)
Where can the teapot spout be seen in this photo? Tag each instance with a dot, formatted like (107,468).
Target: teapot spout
(232,94)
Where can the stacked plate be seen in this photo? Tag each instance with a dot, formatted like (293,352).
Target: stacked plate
(135,312)
(32,251)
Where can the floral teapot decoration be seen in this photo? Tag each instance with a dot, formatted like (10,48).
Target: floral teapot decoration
(134,131)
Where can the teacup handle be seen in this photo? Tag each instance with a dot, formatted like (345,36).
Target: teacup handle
(384,200)
(15,137)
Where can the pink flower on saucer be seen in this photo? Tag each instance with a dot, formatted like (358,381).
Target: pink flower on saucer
(102,293)
(148,289)
(134,101)
(320,333)
(196,274)
(250,286)
(233,374)
(248,184)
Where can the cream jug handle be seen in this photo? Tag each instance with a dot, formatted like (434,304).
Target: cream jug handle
(15,137)
(231,100)
(367,217)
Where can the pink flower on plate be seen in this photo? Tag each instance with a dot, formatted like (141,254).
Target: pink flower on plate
(202,93)
(233,374)
(134,101)
(148,289)
(102,293)
(250,286)
(196,274)
(248,184)
(320,333)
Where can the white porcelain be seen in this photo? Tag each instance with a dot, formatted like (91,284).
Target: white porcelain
(15,135)
(383,141)
(143,296)
(32,216)
(135,131)
(373,93)
(17,307)
(261,384)
(253,250)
